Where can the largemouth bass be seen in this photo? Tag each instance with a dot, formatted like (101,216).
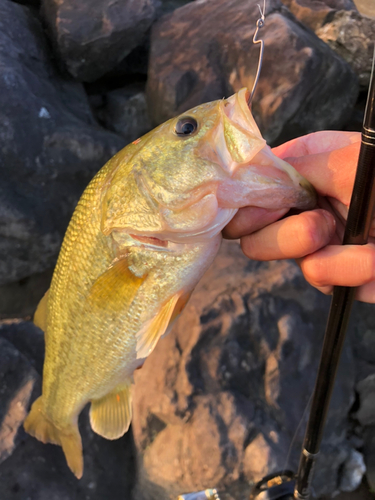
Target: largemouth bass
(144,232)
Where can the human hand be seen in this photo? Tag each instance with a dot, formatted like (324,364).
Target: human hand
(329,161)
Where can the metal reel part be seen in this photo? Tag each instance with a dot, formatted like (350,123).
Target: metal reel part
(277,486)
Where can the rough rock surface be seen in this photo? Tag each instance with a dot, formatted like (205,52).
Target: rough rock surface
(219,401)
(17,378)
(315,13)
(92,36)
(38,471)
(204,51)
(351,35)
(366,7)
(20,299)
(50,147)
(167,6)
(123,111)
(366,391)
(369,452)
(363,346)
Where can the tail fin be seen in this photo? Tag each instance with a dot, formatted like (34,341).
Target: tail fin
(38,425)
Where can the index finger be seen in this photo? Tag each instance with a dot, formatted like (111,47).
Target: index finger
(331,173)
(318,142)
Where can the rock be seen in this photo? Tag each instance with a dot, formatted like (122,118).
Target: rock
(352,471)
(366,391)
(351,35)
(20,299)
(123,111)
(39,471)
(315,13)
(235,376)
(369,453)
(17,380)
(31,3)
(28,339)
(204,51)
(167,6)
(91,37)
(50,147)
(362,325)
(365,7)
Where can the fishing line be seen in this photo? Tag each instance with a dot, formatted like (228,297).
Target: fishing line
(296,432)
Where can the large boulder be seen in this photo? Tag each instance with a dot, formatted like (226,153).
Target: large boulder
(351,35)
(222,400)
(50,147)
(315,13)
(124,111)
(204,51)
(92,36)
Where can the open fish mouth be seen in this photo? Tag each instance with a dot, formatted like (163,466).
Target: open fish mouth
(257,176)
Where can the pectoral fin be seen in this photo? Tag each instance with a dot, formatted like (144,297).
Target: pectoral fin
(111,415)
(40,316)
(151,332)
(115,289)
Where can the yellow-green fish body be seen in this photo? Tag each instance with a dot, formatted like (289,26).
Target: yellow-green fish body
(144,232)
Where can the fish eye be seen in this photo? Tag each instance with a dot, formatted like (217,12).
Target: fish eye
(186,126)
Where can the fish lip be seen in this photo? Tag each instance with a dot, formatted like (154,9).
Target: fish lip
(309,202)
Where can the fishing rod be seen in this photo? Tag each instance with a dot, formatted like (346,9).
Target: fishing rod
(286,485)
(357,229)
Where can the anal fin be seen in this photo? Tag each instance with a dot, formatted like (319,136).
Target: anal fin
(110,416)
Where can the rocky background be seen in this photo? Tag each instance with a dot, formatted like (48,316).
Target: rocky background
(222,400)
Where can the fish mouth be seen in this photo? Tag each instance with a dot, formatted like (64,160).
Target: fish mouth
(257,176)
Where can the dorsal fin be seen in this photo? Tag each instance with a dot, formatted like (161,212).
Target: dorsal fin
(40,316)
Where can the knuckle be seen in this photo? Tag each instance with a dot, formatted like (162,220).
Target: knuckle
(307,232)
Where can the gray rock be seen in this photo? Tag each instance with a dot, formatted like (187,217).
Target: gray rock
(369,453)
(204,51)
(27,338)
(50,147)
(167,6)
(123,111)
(351,35)
(31,469)
(315,13)
(352,472)
(366,391)
(92,36)
(235,376)
(362,325)
(20,298)
(31,3)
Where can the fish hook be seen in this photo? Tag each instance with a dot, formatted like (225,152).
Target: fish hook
(259,25)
